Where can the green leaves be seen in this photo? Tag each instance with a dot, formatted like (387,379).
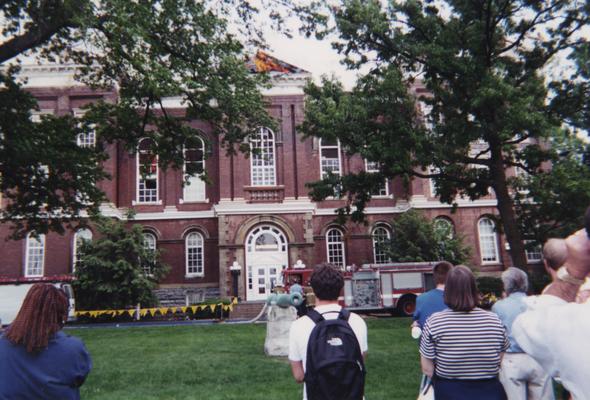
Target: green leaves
(112,270)
(417,239)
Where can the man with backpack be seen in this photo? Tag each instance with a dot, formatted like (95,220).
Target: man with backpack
(328,346)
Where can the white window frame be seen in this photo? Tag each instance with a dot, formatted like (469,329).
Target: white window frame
(198,268)
(150,243)
(324,172)
(491,238)
(40,246)
(535,255)
(335,249)
(195,180)
(85,140)
(380,258)
(372,167)
(263,171)
(445,220)
(76,244)
(141,194)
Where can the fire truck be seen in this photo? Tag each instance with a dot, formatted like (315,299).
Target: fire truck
(391,287)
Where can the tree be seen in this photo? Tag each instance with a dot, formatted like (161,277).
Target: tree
(552,202)
(117,270)
(418,239)
(488,106)
(147,50)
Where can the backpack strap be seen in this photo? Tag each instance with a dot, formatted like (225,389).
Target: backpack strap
(344,314)
(315,316)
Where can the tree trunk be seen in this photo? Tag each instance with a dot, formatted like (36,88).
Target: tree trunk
(507,215)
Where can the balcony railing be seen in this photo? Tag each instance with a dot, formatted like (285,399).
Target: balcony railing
(265,194)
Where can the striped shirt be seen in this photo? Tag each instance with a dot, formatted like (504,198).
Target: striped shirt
(464,345)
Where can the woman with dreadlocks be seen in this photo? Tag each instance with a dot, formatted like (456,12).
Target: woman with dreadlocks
(38,360)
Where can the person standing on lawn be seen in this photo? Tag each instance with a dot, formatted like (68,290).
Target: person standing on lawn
(522,377)
(327,282)
(432,301)
(461,348)
(38,360)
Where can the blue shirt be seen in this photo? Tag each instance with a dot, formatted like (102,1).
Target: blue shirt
(427,304)
(508,309)
(54,373)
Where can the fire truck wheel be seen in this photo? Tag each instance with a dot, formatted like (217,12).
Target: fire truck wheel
(406,306)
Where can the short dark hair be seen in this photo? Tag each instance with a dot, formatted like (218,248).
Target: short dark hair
(440,272)
(327,281)
(460,289)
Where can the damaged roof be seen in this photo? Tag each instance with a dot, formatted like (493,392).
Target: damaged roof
(263,62)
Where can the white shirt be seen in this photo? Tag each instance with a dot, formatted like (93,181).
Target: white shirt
(302,327)
(557,335)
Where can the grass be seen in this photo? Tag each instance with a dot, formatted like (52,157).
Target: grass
(226,361)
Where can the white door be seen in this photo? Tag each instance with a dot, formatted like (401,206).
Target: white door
(266,257)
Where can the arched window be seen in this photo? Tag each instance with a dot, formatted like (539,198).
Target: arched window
(488,241)
(147,172)
(81,236)
(35,255)
(149,243)
(194,166)
(335,247)
(380,236)
(195,258)
(444,227)
(262,159)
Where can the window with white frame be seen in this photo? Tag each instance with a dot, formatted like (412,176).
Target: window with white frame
(194,167)
(330,157)
(380,235)
(149,244)
(372,167)
(262,159)
(335,247)
(431,181)
(147,172)
(194,254)
(86,139)
(444,227)
(488,241)
(534,254)
(80,237)
(35,255)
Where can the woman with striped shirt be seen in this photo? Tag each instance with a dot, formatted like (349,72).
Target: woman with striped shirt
(462,347)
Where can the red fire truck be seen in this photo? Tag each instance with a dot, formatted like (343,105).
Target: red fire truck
(389,287)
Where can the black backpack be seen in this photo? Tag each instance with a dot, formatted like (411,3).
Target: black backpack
(334,369)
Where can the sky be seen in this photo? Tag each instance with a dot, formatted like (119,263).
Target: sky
(313,55)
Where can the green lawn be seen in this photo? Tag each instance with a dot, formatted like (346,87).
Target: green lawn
(226,361)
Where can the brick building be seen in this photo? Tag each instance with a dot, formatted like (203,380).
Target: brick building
(255,211)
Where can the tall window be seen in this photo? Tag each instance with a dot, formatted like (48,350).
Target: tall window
(194,166)
(194,255)
(81,236)
(147,172)
(380,236)
(444,227)
(488,241)
(149,243)
(335,247)
(372,167)
(330,157)
(35,255)
(262,160)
